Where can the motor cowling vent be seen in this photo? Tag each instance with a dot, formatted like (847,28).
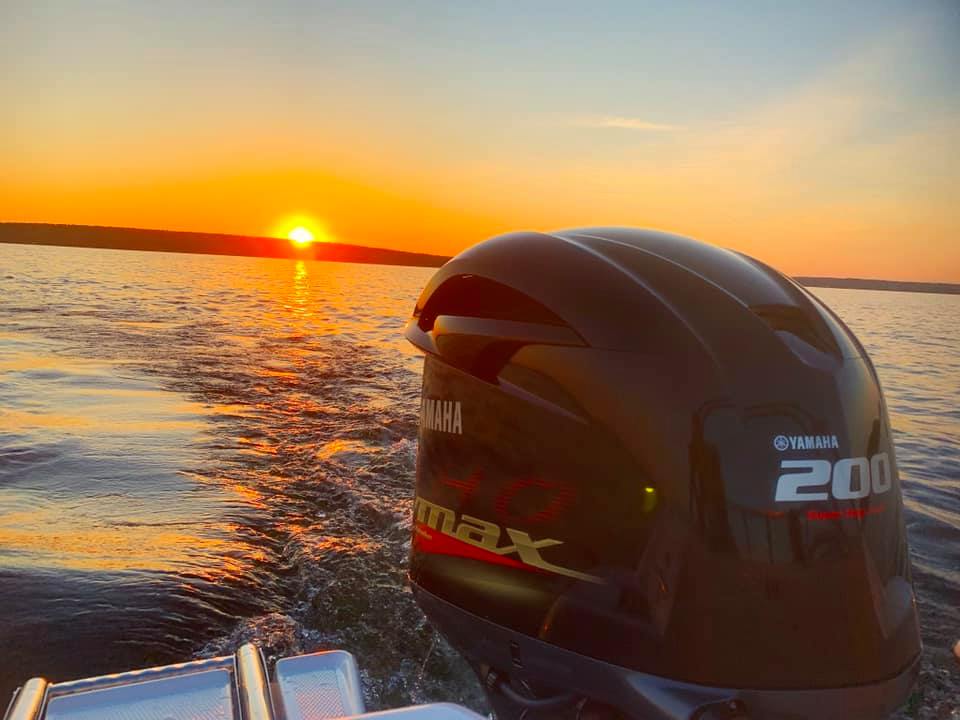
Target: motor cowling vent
(478,297)
(798,322)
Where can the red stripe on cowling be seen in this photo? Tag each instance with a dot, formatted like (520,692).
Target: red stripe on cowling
(428,540)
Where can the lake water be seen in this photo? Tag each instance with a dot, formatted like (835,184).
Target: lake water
(196,451)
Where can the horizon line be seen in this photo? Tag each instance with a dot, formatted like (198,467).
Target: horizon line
(802,278)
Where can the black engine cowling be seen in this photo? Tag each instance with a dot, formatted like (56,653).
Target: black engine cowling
(659,475)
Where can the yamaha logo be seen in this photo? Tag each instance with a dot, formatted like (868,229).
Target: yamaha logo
(806,442)
(441,415)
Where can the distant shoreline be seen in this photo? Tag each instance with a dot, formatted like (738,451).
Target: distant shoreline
(114,238)
(890,285)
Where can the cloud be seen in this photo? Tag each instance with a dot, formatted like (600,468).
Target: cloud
(624,123)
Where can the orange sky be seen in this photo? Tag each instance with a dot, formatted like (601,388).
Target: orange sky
(821,144)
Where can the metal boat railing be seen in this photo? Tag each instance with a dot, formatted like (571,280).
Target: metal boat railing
(316,686)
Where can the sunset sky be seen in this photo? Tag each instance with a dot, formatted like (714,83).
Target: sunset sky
(821,137)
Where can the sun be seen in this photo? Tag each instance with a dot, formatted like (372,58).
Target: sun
(300,236)
(302,230)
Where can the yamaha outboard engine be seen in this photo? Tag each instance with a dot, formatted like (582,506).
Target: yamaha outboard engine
(655,480)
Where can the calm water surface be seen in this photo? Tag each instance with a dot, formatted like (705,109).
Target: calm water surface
(196,451)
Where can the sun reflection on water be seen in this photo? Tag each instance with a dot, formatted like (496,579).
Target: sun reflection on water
(301,290)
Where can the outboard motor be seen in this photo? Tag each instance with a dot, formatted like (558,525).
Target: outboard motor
(656,479)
